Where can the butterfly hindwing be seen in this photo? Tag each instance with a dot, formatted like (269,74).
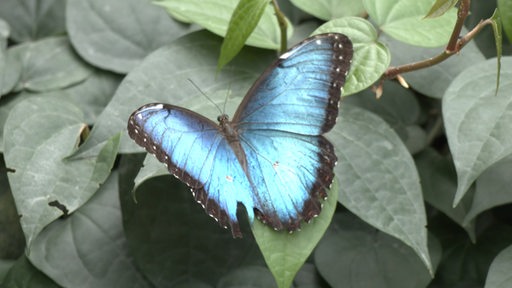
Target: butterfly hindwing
(290,173)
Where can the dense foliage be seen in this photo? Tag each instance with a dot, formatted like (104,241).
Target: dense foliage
(423,189)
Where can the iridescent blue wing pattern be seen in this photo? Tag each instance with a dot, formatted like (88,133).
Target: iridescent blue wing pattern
(195,152)
(280,123)
(272,157)
(301,91)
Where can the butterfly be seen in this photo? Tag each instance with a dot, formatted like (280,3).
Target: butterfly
(271,158)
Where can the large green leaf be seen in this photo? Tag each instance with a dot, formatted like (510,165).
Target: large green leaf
(378,179)
(439,183)
(117,34)
(405,21)
(88,248)
(371,58)
(32,19)
(25,275)
(353,254)
(399,108)
(499,272)
(39,135)
(49,64)
(492,188)
(331,9)
(478,121)
(214,15)
(171,237)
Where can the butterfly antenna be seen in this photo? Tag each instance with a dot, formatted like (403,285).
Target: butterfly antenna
(206,96)
(228,94)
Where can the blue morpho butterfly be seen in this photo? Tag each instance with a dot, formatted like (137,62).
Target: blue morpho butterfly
(271,157)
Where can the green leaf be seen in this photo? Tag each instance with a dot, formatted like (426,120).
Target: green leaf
(432,81)
(353,254)
(251,276)
(59,251)
(245,18)
(118,35)
(285,252)
(12,241)
(167,228)
(399,108)
(23,274)
(378,178)
(404,21)
(478,121)
(499,272)
(505,9)
(492,188)
(10,70)
(31,20)
(331,9)
(49,64)
(165,75)
(440,8)
(37,151)
(371,58)
(214,16)
(439,183)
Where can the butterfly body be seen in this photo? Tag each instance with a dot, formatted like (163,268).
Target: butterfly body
(272,157)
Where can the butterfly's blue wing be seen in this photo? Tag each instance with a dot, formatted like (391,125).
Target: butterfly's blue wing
(196,152)
(300,92)
(280,123)
(290,173)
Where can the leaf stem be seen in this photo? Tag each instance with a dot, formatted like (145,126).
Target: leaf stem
(281,19)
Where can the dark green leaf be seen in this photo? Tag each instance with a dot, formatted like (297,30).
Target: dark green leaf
(25,275)
(37,150)
(499,272)
(49,64)
(88,248)
(378,178)
(478,121)
(353,254)
(31,20)
(492,188)
(117,34)
(439,183)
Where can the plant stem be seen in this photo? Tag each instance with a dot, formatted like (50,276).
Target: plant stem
(281,19)
(454,45)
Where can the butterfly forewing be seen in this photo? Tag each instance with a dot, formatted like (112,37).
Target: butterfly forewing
(300,92)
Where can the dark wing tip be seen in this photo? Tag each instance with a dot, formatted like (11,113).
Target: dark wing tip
(341,60)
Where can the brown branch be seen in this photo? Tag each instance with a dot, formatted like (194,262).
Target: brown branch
(454,45)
